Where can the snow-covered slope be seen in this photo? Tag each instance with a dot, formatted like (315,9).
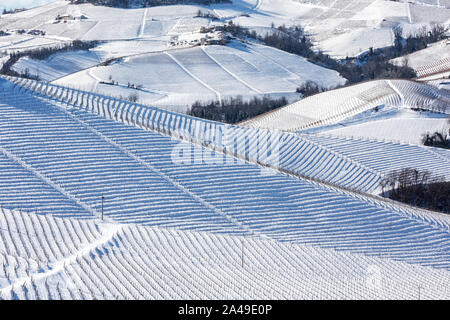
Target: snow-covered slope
(296,153)
(181,77)
(347,28)
(57,65)
(391,124)
(385,157)
(433,61)
(51,258)
(337,105)
(102,198)
(62,157)
(341,28)
(174,79)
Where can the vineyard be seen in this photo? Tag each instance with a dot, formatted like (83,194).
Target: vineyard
(110,191)
(198,209)
(434,67)
(297,154)
(52,258)
(336,105)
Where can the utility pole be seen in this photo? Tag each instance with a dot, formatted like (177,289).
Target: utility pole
(242,254)
(103,198)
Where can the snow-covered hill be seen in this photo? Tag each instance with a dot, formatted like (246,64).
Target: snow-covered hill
(155,45)
(181,77)
(341,28)
(57,65)
(104,198)
(348,28)
(432,62)
(288,151)
(203,212)
(52,258)
(389,124)
(358,101)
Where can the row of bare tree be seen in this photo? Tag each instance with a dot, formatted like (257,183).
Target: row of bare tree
(418,188)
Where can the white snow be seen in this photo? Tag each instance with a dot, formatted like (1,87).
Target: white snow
(335,166)
(405,126)
(433,60)
(339,27)
(58,65)
(116,263)
(283,206)
(61,153)
(177,78)
(333,106)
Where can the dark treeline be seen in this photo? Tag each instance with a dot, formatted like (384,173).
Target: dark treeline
(376,60)
(417,188)
(234,110)
(310,88)
(145,3)
(415,42)
(437,139)
(41,54)
(6,11)
(25,74)
(44,53)
(292,39)
(372,65)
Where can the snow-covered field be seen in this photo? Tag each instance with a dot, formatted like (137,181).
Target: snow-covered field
(405,126)
(180,77)
(212,226)
(346,28)
(144,36)
(102,23)
(385,157)
(16,43)
(58,65)
(103,198)
(342,28)
(297,154)
(57,258)
(334,106)
(432,61)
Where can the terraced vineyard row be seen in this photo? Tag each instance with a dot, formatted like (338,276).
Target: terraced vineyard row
(333,106)
(423,96)
(280,150)
(388,156)
(434,68)
(52,258)
(152,179)
(262,146)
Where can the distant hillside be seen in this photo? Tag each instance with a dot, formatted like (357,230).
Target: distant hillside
(334,106)
(145,3)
